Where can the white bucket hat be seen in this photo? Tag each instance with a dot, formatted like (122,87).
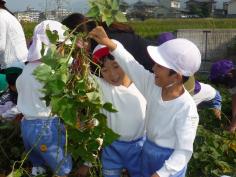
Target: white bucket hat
(180,55)
(40,37)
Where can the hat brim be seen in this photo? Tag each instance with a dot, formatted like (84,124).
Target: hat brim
(156,56)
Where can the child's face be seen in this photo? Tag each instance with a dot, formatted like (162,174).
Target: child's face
(162,76)
(112,73)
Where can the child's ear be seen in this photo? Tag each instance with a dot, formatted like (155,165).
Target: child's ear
(179,77)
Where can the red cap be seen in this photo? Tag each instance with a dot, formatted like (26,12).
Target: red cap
(100,52)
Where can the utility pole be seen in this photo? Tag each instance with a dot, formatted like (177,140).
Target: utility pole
(59,4)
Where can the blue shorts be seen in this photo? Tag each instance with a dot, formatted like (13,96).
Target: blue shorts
(120,155)
(153,158)
(46,140)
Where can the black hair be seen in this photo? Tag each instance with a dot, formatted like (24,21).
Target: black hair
(184,78)
(2,6)
(11,78)
(101,62)
(74,19)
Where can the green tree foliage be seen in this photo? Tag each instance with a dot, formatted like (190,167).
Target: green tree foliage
(106,11)
(202,9)
(214,149)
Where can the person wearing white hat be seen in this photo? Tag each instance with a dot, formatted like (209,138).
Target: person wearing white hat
(204,95)
(171,114)
(13,49)
(42,134)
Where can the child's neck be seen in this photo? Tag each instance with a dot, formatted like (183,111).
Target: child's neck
(126,82)
(172,92)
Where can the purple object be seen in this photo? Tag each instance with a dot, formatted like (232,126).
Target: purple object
(163,37)
(220,68)
(197,87)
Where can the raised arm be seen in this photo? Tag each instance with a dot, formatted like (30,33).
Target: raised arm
(142,78)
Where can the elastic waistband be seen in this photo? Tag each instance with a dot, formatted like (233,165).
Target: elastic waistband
(157,146)
(132,141)
(40,120)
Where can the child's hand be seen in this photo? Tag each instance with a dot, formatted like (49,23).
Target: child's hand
(99,35)
(82,171)
(217,113)
(155,175)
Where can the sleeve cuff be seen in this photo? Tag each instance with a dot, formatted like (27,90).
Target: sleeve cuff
(163,172)
(119,45)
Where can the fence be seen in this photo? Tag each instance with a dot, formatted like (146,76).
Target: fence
(213,44)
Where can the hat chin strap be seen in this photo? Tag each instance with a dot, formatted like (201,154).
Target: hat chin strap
(170,85)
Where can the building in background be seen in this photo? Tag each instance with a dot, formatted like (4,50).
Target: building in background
(231,8)
(35,16)
(29,15)
(154,9)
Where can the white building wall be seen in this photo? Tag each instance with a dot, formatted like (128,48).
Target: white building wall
(232,8)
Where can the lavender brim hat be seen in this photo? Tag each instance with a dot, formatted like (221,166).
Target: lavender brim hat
(220,68)
(163,37)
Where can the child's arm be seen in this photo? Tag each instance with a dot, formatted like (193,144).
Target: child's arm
(185,129)
(209,97)
(143,79)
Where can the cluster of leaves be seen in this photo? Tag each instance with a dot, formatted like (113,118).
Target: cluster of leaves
(214,148)
(74,96)
(106,11)
(11,145)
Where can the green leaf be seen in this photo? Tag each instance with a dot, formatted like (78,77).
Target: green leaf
(109,107)
(109,137)
(16,173)
(115,5)
(106,13)
(92,96)
(120,17)
(42,72)
(52,35)
(93,12)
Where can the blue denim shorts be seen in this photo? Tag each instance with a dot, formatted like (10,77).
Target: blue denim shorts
(45,139)
(122,154)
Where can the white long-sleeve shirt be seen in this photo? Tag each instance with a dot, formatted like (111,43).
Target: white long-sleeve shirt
(13,49)
(129,121)
(170,124)
(206,93)
(29,101)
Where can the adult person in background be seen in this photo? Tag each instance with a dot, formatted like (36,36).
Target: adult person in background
(135,44)
(13,49)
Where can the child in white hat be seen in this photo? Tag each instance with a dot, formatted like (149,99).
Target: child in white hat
(43,135)
(171,114)
(128,122)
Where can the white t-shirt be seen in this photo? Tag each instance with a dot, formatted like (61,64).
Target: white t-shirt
(171,124)
(206,93)
(129,121)
(29,101)
(13,49)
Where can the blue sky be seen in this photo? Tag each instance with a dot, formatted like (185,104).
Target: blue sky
(74,5)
